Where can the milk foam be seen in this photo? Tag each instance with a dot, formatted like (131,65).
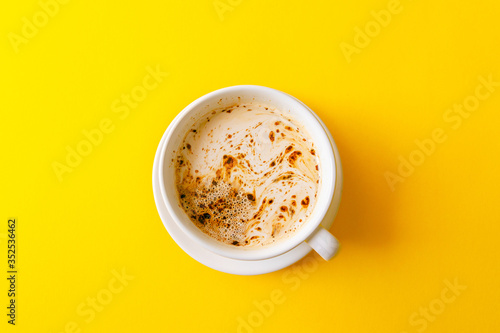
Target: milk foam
(247,175)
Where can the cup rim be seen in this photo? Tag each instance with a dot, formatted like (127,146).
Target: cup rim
(326,189)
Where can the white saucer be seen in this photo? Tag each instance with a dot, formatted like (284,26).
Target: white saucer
(234,266)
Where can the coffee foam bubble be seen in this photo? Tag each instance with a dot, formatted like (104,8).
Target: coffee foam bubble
(219,210)
(247,175)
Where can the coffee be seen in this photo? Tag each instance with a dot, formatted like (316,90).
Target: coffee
(247,175)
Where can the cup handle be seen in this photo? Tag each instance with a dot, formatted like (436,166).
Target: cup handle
(323,242)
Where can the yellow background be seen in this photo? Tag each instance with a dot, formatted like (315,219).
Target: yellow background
(398,247)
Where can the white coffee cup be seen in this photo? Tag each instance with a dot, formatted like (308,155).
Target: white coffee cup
(317,237)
